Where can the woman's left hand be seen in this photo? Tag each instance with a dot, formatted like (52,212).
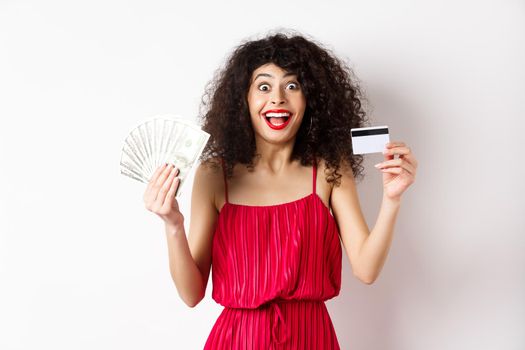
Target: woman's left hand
(398,173)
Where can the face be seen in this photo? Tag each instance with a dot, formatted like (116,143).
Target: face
(276,102)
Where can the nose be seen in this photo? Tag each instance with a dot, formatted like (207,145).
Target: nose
(277,97)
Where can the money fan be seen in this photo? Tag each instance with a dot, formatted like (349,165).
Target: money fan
(162,139)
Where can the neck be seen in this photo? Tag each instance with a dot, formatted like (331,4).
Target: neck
(273,157)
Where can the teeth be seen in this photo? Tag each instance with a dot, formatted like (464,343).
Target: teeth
(277,115)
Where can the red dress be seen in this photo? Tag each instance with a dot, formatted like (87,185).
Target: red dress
(273,267)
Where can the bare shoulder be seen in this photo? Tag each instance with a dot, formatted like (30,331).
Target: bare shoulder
(209,179)
(330,190)
(321,166)
(324,188)
(345,174)
(210,168)
(345,185)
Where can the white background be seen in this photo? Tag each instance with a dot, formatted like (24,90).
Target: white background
(83,265)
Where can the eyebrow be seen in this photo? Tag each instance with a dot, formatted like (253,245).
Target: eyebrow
(271,76)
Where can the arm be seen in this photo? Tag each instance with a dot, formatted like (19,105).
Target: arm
(366,251)
(374,250)
(190,258)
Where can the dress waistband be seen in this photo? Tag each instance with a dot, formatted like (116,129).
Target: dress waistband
(277,317)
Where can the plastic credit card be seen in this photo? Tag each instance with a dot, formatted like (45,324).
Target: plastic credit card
(369,140)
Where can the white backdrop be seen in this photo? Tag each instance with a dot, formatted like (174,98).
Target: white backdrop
(83,265)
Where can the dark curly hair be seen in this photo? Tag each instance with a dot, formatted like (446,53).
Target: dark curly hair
(333,104)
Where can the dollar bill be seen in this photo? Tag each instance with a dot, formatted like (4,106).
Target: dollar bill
(162,139)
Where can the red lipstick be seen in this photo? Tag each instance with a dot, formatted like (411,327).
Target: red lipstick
(281,126)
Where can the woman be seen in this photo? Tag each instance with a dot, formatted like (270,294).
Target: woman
(279,112)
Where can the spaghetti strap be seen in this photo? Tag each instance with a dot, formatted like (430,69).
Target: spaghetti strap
(225,183)
(314,172)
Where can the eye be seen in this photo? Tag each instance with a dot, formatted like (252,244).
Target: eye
(261,87)
(293,85)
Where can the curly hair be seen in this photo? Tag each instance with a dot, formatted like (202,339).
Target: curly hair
(333,105)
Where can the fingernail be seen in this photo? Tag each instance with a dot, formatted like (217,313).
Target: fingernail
(378,165)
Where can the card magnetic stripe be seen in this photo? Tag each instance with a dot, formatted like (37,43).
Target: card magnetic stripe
(357,133)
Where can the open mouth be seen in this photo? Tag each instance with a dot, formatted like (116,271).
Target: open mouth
(277,120)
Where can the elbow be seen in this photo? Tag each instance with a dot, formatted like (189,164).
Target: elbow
(365,275)
(192,302)
(366,279)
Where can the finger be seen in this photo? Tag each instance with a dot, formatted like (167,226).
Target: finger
(391,149)
(153,180)
(170,197)
(409,158)
(399,171)
(387,156)
(156,174)
(407,166)
(389,163)
(392,170)
(154,192)
(401,150)
(163,175)
(394,144)
(163,190)
(398,162)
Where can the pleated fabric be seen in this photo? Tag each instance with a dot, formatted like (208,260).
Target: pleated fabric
(273,267)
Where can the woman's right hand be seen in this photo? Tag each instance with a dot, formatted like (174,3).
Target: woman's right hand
(160,195)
